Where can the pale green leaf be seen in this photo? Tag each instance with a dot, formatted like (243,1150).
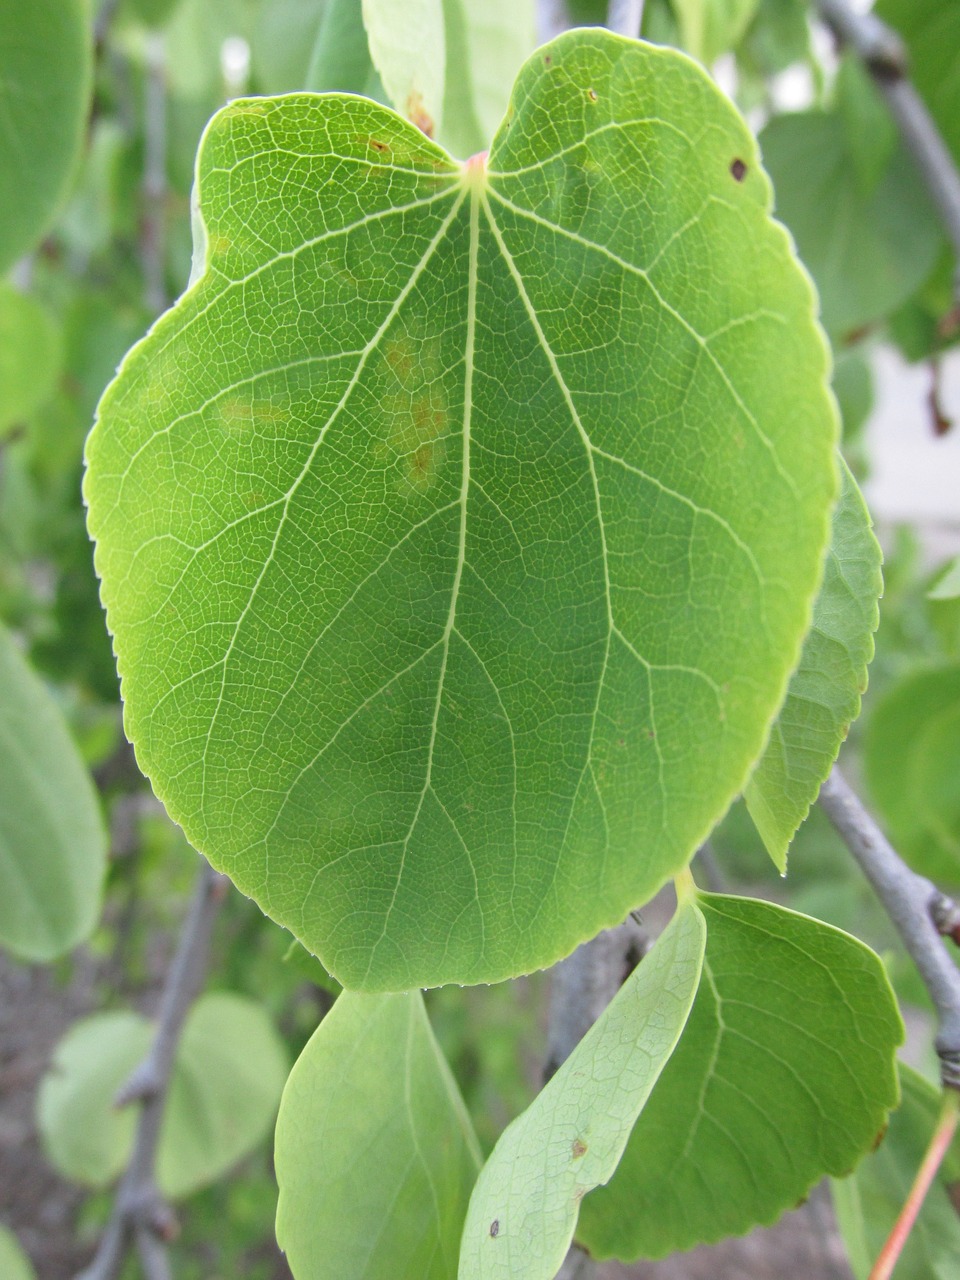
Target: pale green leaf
(912,763)
(931,29)
(785,1072)
(778,36)
(375,1155)
(45,78)
(871,1199)
(457,542)
(340,59)
(873,251)
(947,587)
(487,41)
(711,27)
(408,49)
(53,845)
(29,356)
(229,1073)
(285,39)
(524,1208)
(825,690)
(14,1263)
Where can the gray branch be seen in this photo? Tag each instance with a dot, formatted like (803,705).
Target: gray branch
(883,54)
(553,17)
(625,17)
(140,1215)
(913,904)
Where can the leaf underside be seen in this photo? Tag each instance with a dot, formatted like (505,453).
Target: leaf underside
(458,530)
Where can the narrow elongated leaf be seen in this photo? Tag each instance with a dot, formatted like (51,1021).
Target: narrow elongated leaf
(524,1207)
(457,538)
(229,1073)
(375,1154)
(53,846)
(14,1263)
(45,66)
(487,41)
(824,695)
(408,48)
(912,763)
(869,1202)
(874,250)
(785,1072)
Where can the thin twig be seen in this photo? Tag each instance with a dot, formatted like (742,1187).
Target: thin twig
(140,1214)
(883,54)
(625,17)
(153,223)
(581,987)
(936,1151)
(910,900)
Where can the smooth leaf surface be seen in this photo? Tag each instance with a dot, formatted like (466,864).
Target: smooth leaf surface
(408,49)
(931,29)
(912,763)
(711,27)
(53,847)
(375,1154)
(487,42)
(825,690)
(524,1208)
(14,1263)
(871,1199)
(45,80)
(874,250)
(947,587)
(785,1072)
(456,539)
(29,356)
(229,1073)
(340,60)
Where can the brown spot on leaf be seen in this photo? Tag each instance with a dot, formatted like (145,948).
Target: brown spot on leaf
(417,114)
(547,60)
(592,95)
(495,1227)
(378,145)
(738,169)
(579,1148)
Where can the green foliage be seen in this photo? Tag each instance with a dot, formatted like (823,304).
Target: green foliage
(375,1155)
(947,586)
(45,80)
(408,49)
(824,694)
(14,1263)
(226,1084)
(52,840)
(931,29)
(29,356)
(871,1199)
(784,1072)
(711,27)
(324,544)
(524,1208)
(912,762)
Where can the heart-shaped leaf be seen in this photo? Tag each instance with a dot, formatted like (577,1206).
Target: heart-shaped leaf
(459,528)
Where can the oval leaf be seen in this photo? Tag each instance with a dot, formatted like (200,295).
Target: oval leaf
(524,1208)
(53,847)
(457,538)
(229,1073)
(45,80)
(375,1153)
(785,1071)
(824,695)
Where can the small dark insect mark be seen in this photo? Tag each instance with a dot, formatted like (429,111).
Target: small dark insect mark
(378,146)
(495,1227)
(592,95)
(579,1148)
(547,60)
(739,170)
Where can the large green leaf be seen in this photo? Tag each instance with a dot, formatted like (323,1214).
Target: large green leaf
(375,1154)
(457,538)
(29,356)
(227,1080)
(912,763)
(824,695)
(931,29)
(14,1263)
(45,65)
(785,1072)
(869,1202)
(877,247)
(524,1208)
(53,845)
